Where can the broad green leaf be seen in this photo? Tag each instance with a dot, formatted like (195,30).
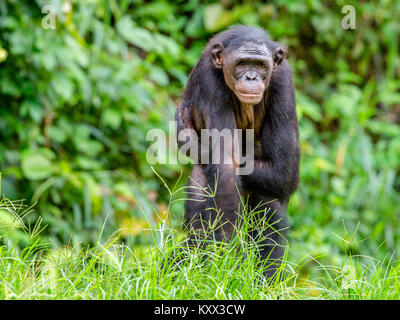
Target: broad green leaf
(140,37)
(3,54)
(212,14)
(36,165)
(7,220)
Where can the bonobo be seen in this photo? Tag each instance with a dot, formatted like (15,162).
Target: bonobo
(243,81)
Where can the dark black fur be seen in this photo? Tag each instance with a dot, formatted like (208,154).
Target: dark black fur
(208,103)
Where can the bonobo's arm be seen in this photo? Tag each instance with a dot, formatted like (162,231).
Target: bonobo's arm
(276,171)
(214,112)
(220,116)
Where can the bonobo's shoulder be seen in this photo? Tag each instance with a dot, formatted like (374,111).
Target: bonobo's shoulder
(285,67)
(284,71)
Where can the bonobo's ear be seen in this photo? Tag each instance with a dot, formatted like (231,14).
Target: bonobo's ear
(278,55)
(217,52)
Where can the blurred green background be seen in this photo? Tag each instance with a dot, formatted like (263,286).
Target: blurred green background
(77,101)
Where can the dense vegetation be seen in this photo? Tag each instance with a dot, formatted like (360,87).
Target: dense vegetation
(168,270)
(76,103)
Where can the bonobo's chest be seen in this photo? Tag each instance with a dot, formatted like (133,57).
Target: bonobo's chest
(250,117)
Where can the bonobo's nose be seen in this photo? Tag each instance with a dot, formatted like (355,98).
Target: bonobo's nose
(251,75)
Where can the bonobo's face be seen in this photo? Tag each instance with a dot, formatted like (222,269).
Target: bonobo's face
(248,69)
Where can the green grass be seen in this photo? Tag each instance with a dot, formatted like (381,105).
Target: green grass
(166,270)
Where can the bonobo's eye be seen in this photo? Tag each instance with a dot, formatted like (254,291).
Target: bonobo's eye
(241,63)
(259,64)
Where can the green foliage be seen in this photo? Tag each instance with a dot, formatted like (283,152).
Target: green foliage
(169,270)
(76,104)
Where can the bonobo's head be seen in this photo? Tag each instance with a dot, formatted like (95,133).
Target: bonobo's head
(247,66)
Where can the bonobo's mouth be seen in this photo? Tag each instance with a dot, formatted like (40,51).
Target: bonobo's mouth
(249,97)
